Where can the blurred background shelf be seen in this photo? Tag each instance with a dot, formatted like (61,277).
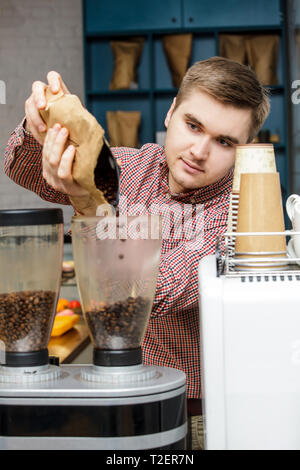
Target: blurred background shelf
(152,19)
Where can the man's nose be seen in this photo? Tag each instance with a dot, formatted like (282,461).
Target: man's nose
(200,147)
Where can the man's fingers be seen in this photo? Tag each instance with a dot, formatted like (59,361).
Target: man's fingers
(56,83)
(31,128)
(65,168)
(33,114)
(38,91)
(48,145)
(60,136)
(64,88)
(60,176)
(53,146)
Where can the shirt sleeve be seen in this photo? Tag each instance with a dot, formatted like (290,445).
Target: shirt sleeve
(23,164)
(123,155)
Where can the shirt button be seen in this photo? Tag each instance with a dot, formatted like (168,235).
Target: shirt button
(193,200)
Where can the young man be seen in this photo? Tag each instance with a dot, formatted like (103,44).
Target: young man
(220,104)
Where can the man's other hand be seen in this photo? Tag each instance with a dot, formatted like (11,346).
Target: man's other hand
(37,101)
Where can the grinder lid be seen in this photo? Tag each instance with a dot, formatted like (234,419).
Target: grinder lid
(31,217)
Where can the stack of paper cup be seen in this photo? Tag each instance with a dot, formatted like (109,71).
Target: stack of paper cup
(251,158)
(260,210)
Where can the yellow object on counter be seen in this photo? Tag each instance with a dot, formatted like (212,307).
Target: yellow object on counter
(62,304)
(64,323)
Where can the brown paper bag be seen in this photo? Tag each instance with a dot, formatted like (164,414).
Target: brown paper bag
(113,129)
(86,134)
(262,53)
(233,46)
(123,128)
(127,55)
(178,48)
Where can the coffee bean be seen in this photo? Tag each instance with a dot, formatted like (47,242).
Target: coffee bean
(24,319)
(120,325)
(108,186)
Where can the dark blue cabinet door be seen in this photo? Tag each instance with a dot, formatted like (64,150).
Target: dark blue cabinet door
(131,15)
(223,13)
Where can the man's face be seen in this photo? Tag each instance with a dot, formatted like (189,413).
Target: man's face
(201,137)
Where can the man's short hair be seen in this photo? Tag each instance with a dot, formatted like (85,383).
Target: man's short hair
(230,83)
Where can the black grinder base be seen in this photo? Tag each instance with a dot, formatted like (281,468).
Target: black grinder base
(26,359)
(117,357)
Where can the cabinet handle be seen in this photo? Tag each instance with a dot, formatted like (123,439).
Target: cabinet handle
(191,19)
(174,20)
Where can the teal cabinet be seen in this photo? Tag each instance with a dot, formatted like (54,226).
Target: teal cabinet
(231,13)
(133,15)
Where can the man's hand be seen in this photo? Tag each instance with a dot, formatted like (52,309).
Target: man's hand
(37,101)
(58,162)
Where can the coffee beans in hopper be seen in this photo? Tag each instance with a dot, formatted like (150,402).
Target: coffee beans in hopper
(120,325)
(24,319)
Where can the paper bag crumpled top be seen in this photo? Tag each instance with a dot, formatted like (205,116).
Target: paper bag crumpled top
(87,136)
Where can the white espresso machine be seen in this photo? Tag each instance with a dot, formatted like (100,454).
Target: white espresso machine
(250,353)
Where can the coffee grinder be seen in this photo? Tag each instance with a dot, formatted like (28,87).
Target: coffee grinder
(31,249)
(116,402)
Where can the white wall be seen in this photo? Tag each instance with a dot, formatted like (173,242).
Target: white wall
(36,36)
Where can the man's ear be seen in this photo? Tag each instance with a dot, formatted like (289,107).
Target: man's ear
(170,112)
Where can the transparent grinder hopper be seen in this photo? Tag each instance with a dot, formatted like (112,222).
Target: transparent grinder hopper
(117,262)
(31,249)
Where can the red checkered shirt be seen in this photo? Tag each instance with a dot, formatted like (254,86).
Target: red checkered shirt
(172,338)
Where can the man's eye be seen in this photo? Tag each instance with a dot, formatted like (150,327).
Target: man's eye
(192,126)
(224,143)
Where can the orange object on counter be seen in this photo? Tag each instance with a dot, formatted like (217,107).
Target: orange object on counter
(62,304)
(75,305)
(64,323)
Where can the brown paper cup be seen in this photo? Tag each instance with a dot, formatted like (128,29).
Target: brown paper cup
(252,158)
(260,210)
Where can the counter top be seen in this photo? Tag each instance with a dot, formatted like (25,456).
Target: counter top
(69,345)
